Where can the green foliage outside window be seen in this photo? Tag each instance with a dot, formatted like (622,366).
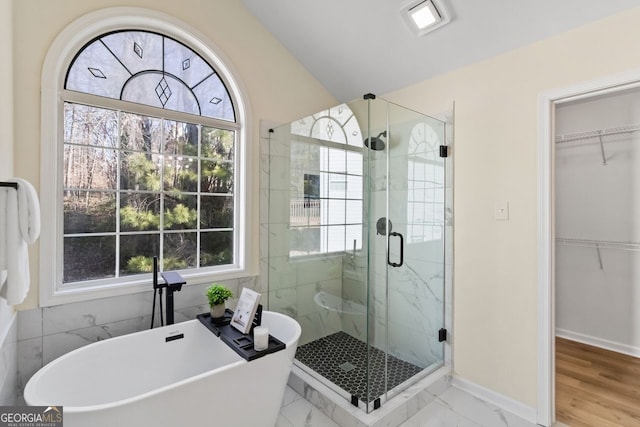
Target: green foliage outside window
(141,179)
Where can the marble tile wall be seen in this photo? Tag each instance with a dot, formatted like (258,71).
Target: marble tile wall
(292,283)
(409,301)
(9,365)
(354,291)
(44,334)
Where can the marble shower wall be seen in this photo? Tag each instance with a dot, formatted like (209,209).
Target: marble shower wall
(45,334)
(408,301)
(418,290)
(292,283)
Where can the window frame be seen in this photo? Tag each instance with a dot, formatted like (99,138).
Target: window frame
(53,96)
(347,146)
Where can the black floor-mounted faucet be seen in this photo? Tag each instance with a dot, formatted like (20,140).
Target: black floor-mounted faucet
(173,282)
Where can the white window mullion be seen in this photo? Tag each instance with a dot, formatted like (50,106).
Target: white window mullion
(198,197)
(161,189)
(118,177)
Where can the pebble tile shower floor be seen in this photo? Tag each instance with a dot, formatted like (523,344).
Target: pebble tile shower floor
(327,355)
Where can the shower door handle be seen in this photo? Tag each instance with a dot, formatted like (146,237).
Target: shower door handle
(396,264)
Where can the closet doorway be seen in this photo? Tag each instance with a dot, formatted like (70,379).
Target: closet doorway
(597,260)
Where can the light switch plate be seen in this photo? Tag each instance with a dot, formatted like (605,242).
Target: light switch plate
(501,212)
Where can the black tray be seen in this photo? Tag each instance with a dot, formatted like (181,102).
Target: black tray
(239,342)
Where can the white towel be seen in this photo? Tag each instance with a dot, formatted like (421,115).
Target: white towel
(19,225)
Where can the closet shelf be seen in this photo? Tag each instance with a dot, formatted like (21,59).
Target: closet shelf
(599,244)
(598,133)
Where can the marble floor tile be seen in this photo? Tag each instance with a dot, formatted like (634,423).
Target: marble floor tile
(481,412)
(453,408)
(437,414)
(301,413)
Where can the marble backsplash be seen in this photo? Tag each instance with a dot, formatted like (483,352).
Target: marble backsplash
(9,365)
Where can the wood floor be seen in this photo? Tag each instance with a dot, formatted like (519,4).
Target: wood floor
(596,387)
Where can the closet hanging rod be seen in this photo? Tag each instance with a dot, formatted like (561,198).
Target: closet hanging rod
(569,137)
(9,184)
(599,244)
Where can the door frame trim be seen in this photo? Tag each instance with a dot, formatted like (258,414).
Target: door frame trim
(547,102)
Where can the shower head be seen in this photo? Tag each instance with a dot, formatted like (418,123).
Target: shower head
(375,143)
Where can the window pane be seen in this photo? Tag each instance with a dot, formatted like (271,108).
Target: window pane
(180,173)
(90,125)
(140,133)
(180,251)
(137,252)
(214,99)
(354,187)
(87,258)
(216,212)
(137,50)
(160,90)
(216,248)
(337,160)
(95,70)
(217,143)
(353,233)
(180,211)
(354,163)
(139,211)
(176,56)
(335,238)
(150,69)
(335,212)
(217,177)
(88,168)
(354,212)
(140,171)
(89,212)
(337,186)
(181,139)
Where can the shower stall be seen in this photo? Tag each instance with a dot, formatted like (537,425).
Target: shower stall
(356,244)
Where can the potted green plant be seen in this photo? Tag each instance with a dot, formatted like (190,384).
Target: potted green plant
(217,296)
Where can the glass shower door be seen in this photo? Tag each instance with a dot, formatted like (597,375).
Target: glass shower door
(408,271)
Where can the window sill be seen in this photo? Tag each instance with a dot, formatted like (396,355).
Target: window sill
(141,283)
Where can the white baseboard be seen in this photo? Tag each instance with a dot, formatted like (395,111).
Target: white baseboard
(501,401)
(599,342)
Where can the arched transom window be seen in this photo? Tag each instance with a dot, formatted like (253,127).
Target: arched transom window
(150,163)
(150,69)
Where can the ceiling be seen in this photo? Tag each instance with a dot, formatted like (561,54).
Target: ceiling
(358,46)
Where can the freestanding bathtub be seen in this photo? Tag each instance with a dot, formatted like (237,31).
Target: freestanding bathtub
(143,379)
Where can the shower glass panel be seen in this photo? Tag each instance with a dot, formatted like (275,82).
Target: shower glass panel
(356,245)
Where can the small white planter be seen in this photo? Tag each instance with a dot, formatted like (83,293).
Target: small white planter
(217,311)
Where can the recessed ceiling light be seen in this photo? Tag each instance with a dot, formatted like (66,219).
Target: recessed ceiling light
(424,16)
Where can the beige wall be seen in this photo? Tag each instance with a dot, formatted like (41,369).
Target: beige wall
(6,122)
(6,89)
(495,262)
(279,88)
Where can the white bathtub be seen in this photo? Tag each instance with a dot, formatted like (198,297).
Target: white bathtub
(141,380)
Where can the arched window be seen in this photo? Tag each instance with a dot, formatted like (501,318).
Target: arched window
(425,185)
(326,180)
(151,164)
